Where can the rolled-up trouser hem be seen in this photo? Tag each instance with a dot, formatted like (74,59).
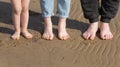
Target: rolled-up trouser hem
(105,20)
(93,20)
(61,16)
(46,16)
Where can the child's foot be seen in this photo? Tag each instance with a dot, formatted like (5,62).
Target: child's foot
(62,33)
(105,32)
(27,35)
(16,36)
(91,31)
(48,32)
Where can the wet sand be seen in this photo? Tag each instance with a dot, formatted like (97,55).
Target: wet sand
(75,52)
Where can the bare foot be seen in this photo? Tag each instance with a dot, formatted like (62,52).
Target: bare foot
(105,32)
(91,31)
(48,32)
(62,33)
(16,36)
(27,35)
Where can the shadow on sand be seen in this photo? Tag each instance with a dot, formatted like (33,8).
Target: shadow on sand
(35,21)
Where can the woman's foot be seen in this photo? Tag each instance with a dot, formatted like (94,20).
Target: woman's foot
(91,31)
(48,32)
(105,32)
(62,33)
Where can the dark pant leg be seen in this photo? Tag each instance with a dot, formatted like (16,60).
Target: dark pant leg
(108,9)
(90,9)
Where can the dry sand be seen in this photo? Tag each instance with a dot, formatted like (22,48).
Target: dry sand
(75,52)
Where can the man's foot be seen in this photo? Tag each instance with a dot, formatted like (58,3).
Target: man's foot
(27,35)
(16,36)
(105,32)
(62,33)
(91,31)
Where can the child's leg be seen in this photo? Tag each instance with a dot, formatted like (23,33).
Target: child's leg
(16,5)
(90,9)
(109,9)
(63,13)
(47,11)
(25,18)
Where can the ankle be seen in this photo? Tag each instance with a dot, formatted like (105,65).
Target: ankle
(24,31)
(104,23)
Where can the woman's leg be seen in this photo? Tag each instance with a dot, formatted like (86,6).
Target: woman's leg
(25,19)
(108,11)
(62,32)
(16,5)
(47,7)
(63,13)
(91,12)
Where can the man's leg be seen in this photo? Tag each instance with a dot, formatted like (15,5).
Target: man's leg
(108,11)
(91,12)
